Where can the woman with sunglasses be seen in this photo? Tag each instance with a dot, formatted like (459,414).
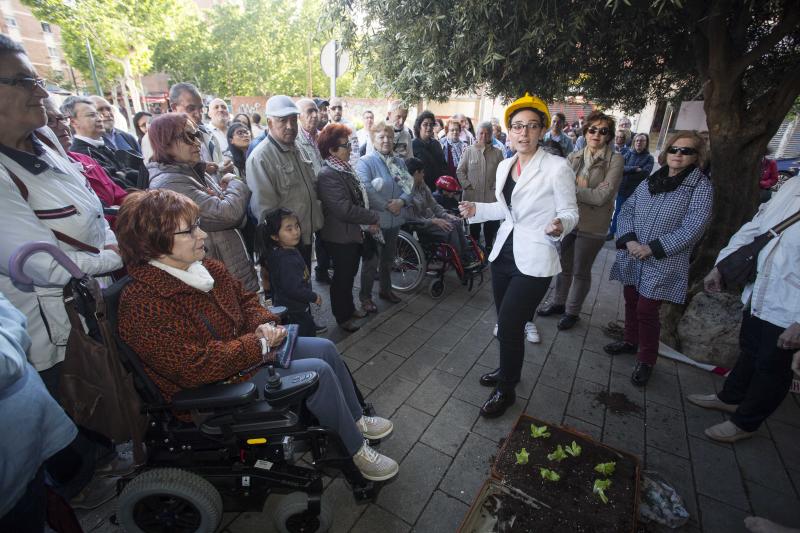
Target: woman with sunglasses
(175,165)
(598,170)
(656,230)
(535,199)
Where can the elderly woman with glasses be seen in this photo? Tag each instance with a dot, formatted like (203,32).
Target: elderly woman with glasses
(535,200)
(656,230)
(598,171)
(192,324)
(175,165)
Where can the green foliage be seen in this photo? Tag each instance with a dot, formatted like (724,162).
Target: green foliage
(539,432)
(573,449)
(121,32)
(606,468)
(549,475)
(265,47)
(558,455)
(599,488)
(522,457)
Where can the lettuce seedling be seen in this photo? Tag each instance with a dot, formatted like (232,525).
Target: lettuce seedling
(539,432)
(606,468)
(522,456)
(573,449)
(600,486)
(549,475)
(558,455)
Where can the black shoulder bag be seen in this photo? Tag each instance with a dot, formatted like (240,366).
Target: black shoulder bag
(740,267)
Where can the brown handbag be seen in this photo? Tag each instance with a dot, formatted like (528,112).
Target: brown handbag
(95,389)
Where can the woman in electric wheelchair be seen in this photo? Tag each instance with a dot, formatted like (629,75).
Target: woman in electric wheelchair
(191,323)
(432,220)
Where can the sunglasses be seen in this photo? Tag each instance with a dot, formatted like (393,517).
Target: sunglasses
(517,127)
(194,227)
(683,150)
(29,84)
(192,137)
(601,131)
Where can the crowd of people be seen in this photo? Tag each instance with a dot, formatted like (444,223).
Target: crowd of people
(210,217)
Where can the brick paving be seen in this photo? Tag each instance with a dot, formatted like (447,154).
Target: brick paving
(419,362)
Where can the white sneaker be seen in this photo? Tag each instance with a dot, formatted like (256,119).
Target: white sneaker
(532,333)
(495,330)
(374,427)
(373,465)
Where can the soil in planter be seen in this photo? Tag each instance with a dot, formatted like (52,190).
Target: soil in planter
(573,506)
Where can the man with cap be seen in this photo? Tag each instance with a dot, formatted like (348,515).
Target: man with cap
(279,175)
(336,109)
(322,108)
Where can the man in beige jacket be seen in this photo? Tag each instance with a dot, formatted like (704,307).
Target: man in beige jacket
(280,175)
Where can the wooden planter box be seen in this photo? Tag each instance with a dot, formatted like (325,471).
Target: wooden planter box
(567,505)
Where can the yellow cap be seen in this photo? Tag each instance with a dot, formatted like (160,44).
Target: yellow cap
(531,102)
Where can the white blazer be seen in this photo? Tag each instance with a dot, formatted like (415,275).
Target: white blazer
(546,190)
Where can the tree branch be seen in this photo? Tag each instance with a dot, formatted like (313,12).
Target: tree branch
(791,19)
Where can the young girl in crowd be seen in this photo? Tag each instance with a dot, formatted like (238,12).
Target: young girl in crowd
(277,237)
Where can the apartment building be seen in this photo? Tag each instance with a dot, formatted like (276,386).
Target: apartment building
(41,40)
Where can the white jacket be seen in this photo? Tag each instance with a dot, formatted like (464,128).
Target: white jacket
(62,195)
(775,295)
(546,190)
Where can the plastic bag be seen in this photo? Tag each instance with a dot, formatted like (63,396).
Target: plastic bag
(660,502)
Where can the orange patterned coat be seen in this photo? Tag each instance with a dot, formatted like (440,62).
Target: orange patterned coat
(161,318)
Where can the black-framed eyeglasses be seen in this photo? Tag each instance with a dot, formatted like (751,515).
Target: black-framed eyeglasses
(517,127)
(29,84)
(347,145)
(192,229)
(683,150)
(602,131)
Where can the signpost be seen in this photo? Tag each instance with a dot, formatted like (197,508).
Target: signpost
(335,61)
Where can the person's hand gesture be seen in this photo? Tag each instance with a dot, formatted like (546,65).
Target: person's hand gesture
(442,224)
(274,334)
(211,168)
(790,338)
(394,206)
(555,228)
(467,209)
(713,281)
(318,301)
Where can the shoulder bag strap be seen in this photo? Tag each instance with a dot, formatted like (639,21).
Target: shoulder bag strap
(780,227)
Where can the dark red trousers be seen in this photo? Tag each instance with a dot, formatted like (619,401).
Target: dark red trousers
(642,324)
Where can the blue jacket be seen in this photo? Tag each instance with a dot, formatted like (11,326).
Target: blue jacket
(36,425)
(630,177)
(372,166)
(289,279)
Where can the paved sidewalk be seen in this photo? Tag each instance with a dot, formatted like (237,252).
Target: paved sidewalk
(419,362)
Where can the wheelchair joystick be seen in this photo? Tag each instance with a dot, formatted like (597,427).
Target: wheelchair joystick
(273,379)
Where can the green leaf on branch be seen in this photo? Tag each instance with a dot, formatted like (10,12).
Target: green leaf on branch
(599,488)
(558,455)
(522,456)
(573,449)
(606,468)
(539,432)
(549,475)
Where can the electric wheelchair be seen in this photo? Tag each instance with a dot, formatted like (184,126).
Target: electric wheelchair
(240,447)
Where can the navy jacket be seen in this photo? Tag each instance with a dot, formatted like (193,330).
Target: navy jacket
(289,279)
(630,177)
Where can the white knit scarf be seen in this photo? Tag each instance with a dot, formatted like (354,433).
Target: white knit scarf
(195,276)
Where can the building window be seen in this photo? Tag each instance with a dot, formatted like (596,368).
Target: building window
(52,52)
(46,27)
(11,22)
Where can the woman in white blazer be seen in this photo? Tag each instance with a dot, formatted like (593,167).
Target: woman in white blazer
(535,194)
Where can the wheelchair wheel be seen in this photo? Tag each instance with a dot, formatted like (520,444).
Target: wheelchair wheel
(409,265)
(291,515)
(169,500)
(436,288)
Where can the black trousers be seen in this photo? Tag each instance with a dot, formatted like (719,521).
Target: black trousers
(305,251)
(28,514)
(516,297)
(489,232)
(347,258)
(323,255)
(762,376)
